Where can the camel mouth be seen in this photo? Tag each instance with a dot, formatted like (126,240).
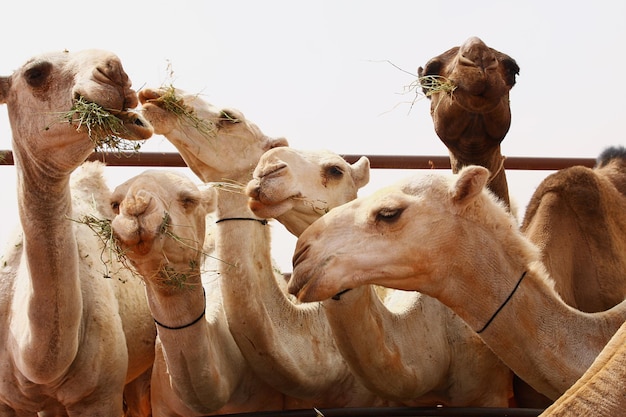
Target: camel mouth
(138,127)
(103,123)
(269,209)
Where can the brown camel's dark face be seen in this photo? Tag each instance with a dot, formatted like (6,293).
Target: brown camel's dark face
(472,119)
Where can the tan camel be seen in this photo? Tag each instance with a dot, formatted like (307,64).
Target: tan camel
(576,218)
(469,86)
(453,241)
(70,338)
(199,370)
(290,346)
(411,348)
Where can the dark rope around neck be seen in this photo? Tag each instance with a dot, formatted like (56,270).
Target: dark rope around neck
(184,326)
(503,304)
(262,221)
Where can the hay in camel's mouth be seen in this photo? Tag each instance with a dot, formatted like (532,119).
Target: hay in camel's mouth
(109,129)
(172,103)
(433,84)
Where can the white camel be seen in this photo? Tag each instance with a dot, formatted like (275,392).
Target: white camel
(454,241)
(411,348)
(199,370)
(290,346)
(71,338)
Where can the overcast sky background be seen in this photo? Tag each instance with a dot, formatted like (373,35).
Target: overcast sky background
(319,72)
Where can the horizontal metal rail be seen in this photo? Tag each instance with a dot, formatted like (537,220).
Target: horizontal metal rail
(400,412)
(173,159)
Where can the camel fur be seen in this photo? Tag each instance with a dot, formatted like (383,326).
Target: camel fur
(576,218)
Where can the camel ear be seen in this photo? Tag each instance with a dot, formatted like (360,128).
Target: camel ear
(208,196)
(5,84)
(361,172)
(469,184)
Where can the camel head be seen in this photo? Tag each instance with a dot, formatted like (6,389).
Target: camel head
(160,225)
(473,116)
(217,144)
(41,97)
(297,187)
(404,236)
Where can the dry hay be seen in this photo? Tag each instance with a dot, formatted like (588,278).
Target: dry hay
(426,85)
(103,126)
(170,102)
(102,229)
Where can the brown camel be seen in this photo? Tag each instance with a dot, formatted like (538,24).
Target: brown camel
(577,219)
(472,115)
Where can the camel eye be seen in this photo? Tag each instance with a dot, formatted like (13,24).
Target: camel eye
(229,116)
(188,201)
(37,74)
(334,172)
(388,214)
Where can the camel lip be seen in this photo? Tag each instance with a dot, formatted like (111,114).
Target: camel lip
(149,96)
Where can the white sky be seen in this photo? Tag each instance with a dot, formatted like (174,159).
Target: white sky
(315,71)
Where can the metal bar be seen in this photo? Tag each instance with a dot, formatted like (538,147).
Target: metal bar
(173,159)
(400,412)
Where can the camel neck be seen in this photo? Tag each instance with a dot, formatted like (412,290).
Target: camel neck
(538,335)
(273,333)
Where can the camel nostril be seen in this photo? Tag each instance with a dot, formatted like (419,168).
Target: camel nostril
(274,170)
(136,205)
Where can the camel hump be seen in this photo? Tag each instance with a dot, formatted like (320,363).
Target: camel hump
(609,154)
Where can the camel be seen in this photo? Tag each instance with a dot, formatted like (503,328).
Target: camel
(575,217)
(407,235)
(411,348)
(71,338)
(199,370)
(468,87)
(288,345)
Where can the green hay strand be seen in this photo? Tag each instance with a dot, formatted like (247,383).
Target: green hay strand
(170,102)
(103,127)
